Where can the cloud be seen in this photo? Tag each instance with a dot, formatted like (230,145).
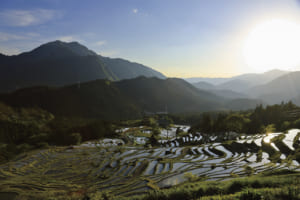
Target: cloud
(68,38)
(22,18)
(32,34)
(100,43)
(15,43)
(135,10)
(9,51)
(8,37)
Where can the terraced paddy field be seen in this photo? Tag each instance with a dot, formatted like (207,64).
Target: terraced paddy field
(124,171)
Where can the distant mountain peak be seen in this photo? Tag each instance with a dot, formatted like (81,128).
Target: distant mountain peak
(59,42)
(80,49)
(59,48)
(275,71)
(59,63)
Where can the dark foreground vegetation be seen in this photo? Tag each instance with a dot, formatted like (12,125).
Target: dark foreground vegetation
(24,129)
(282,184)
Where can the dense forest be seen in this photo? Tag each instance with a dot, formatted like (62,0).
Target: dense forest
(278,117)
(24,129)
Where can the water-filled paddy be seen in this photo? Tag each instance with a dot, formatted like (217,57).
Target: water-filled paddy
(117,168)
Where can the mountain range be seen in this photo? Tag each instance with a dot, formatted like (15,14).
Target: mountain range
(271,87)
(59,63)
(68,79)
(122,99)
(250,79)
(283,88)
(240,83)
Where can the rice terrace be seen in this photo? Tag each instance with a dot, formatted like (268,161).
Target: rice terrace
(124,170)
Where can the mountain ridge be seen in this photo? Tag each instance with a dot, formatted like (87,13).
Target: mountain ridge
(248,80)
(124,99)
(283,88)
(114,100)
(59,63)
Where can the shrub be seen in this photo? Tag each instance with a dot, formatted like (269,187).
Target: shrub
(24,147)
(250,195)
(74,138)
(235,187)
(42,145)
(180,195)
(249,170)
(190,176)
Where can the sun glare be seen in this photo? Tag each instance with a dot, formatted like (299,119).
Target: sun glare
(273,44)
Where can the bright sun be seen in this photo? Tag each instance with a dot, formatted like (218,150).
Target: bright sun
(273,44)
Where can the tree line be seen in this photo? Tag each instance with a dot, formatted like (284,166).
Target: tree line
(260,120)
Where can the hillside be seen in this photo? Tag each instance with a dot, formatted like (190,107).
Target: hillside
(240,103)
(240,83)
(280,89)
(225,93)
(117,100)
(213,81)
(175,95)
(59,63)
(124,69)
(263,78)
(235,85)
(204,85)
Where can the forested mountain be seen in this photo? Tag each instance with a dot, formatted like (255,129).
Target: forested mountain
(59,63)
(121,99)
(205,85)
(225,93)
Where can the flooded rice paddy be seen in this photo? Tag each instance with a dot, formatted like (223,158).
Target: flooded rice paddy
(111,165)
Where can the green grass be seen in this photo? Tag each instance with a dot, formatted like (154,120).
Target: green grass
(281,184)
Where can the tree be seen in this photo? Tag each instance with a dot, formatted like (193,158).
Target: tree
(219,123)
(206,123)
(235,123)
(149,121)
(178,130)
(156,131)
(152,140)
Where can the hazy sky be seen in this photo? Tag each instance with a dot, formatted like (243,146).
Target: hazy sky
(183,38)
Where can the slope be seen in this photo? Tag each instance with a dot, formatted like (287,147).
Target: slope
(59,63)
(283,88)
(117,100)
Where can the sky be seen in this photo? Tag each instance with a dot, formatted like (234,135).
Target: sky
(190,38)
